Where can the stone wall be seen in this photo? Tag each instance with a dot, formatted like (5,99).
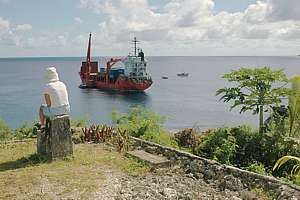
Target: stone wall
(230,177)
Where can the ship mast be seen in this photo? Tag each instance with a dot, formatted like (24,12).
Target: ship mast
(88,58)
(135,42)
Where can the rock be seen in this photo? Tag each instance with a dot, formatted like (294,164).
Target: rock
(170,193)
(231,183)
(248,195)
(56,141)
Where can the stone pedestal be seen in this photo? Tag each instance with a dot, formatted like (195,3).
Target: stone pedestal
(56,140)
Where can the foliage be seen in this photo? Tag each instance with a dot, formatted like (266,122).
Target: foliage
(121,140)
(220,146)
(296,168)
(5,131)
(26,131)
(97,133)
(142,123)
(257,168)
(242,146)
(23,132)
(106,134)
(188,138)
(255,90)
(294,107)
(79,122)
(262,194)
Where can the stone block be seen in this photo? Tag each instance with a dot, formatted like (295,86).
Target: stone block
(153,160)
(55,141)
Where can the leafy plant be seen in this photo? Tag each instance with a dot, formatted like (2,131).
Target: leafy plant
(24,131)
(79,122)
(188,138)
(294,107)
(97,133)
(220,146)
(5,131)
(296,168)
(257,168)
(121,139)
(242,146)
(142,123)
(255,90)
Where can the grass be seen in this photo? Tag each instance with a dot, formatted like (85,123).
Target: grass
(23,175)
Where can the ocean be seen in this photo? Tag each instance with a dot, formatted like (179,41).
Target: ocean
(185,101)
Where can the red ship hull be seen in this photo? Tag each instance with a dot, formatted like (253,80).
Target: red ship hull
(125,84)
(121,84)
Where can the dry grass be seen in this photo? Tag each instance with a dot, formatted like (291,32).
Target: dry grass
(24,176)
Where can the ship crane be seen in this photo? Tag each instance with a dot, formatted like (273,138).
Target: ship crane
(109,65)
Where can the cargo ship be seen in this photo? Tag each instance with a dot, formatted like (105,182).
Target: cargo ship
(133,76)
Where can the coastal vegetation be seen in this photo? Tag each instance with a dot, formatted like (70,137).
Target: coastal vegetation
(255,90)
(25,131)
(144,124)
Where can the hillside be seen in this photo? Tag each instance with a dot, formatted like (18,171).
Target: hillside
(98,172)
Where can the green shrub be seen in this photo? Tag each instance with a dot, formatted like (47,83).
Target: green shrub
(220,146)
(5,131)
(26,131)
(257,168)
(242,146)
(145,124)
(79,122)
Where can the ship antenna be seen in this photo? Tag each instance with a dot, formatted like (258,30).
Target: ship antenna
(135,42)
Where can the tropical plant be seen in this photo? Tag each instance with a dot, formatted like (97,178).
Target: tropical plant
(24,131)
(121,140)
(97,133)
(296,168)
(257,168)
(294,106)
(255,90)
(5,131)
(188,138)
(145,124)
(220,146)
(79,122)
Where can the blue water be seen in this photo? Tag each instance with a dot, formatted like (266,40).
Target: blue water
(186,102)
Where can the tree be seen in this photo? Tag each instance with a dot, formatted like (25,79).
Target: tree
(255,90)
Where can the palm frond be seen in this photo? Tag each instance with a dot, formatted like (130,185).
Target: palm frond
(295,169)
(283,160)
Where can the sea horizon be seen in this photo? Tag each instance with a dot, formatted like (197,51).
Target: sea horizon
(38,57)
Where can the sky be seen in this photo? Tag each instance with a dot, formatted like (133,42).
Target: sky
(37,28)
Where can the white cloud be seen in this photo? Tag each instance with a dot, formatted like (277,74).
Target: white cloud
(4,25)
(283,10)
(7,37)
(195,21)
(24,27)
(78,20)
(178,25)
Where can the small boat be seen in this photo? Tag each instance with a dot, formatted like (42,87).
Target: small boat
(183,74)
(165,77)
